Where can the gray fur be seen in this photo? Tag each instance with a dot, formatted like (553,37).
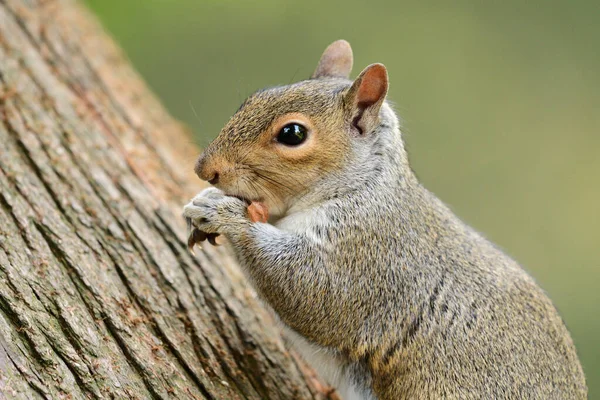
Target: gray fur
(367,264)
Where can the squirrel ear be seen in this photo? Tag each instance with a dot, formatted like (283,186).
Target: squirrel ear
(336,61)
(366,96)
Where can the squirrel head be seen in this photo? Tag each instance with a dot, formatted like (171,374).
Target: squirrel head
(282,140)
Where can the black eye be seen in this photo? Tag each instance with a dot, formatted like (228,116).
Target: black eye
(292,134)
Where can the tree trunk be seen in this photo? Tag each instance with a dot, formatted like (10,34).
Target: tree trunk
(99,297)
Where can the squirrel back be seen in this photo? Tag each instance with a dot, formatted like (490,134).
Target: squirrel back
(364,264)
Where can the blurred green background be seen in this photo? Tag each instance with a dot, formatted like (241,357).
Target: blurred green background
(500,102)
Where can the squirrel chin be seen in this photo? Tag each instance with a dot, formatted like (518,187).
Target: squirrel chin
(267,207)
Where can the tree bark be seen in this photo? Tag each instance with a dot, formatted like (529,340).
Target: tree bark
(99,297)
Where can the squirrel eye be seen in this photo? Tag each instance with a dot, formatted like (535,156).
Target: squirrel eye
(292,134)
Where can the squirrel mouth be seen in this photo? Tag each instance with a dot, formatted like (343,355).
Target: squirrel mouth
(243,195)
(247,200)
(244,199)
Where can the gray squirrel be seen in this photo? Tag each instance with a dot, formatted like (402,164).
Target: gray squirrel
(379,285)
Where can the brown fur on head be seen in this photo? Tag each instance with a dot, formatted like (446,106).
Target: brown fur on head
(248,160)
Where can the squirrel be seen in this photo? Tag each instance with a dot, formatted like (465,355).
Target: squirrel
(380,286)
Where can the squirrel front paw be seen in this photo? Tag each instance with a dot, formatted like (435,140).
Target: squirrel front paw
(213,212)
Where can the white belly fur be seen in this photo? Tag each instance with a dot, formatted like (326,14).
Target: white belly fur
(328,365)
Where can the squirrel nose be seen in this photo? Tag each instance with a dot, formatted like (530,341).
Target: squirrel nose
(205,171)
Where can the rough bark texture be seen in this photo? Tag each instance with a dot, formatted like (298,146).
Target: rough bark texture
(99,297)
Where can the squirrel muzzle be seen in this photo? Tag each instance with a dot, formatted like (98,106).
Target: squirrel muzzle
(208,169)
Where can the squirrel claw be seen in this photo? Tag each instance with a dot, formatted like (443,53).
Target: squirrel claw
(196,236)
